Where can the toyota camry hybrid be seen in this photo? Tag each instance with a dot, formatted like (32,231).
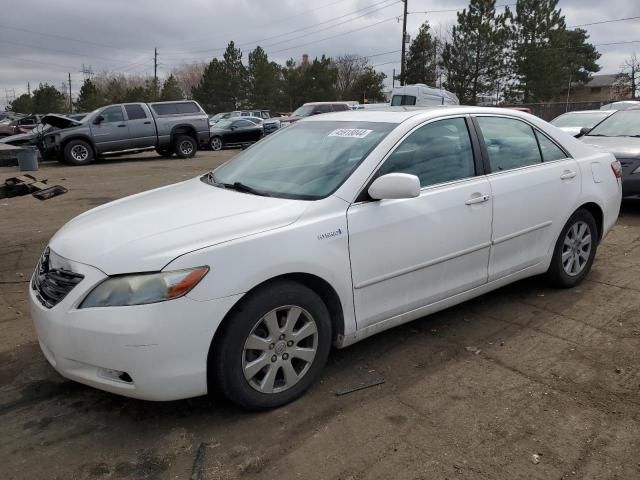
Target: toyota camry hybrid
(324,233)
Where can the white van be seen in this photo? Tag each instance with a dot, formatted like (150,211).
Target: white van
(421,95)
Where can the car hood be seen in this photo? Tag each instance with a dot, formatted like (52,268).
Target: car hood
(60,121)
(621,147)
(145,232)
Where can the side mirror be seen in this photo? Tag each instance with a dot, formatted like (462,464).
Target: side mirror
(583,131)
(98,120)
(395,185)
(232,127)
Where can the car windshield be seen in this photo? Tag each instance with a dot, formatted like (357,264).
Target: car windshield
(224,123)
(303,111)
(307,161)
(623,123)
(579,119)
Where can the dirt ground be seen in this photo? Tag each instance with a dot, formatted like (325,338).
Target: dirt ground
(524,383)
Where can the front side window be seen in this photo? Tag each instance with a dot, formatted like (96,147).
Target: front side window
(438,152)
(322,109)
(510,143)
(135,112)
(112,114)
(308,160)
(340,107)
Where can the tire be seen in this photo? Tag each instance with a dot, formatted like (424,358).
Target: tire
(78,152)
(164,152)
(575,250)
(277,349)
(185,146)
(216,143)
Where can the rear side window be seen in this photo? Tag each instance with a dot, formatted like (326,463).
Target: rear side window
(135,112)
(550,151)
(510,143)
(438,152)
(399,100)
(243,123)
(188,107)
(339,107)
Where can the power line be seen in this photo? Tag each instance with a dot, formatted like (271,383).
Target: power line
(458,9)
(57,50)
(57,36)
(604,21)
(253,42)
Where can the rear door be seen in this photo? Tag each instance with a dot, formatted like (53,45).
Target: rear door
(142,129)
(244,131)
(112,133)
(534,184)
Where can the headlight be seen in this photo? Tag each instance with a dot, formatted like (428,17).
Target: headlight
(144,288)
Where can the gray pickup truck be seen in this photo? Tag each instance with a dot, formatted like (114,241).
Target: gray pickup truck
(168,127)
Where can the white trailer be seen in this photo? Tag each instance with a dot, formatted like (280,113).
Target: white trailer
(421,95)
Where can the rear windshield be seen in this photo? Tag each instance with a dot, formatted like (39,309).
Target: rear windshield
(177,108)
(579,119)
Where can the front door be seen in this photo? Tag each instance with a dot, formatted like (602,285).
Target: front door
(531,178)
(409,253)
(112,133)
(142,129)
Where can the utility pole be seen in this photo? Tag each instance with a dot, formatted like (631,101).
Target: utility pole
(404,36)
(155,73)
(28,88)
(70,101)
(393,79)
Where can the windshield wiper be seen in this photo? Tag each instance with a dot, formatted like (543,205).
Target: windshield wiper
(596,135)
(239,187)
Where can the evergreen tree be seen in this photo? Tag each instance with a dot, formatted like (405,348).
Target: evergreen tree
(210,92)
(236,76)
(474,57)
(22,104)
(546,55)
(421,61)
(89,97)
(368,87)
(48,99)
(171,90)
(264,80)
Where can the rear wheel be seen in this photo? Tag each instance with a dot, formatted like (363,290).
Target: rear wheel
(273,346)
(185,146)
(575,250)
(78,152)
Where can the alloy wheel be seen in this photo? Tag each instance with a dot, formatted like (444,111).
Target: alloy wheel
(216,144)
(79,153)
(280,349)
(576,248)
(186,147)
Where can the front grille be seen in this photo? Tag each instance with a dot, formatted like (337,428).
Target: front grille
(52,285)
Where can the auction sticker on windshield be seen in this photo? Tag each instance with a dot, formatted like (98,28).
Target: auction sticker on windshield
(350,132)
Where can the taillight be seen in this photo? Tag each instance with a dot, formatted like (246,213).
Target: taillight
(617,168)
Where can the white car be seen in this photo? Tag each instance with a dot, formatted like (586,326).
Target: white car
(573,123)
(327,232)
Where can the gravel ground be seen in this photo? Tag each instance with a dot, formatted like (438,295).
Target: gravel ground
(524,383)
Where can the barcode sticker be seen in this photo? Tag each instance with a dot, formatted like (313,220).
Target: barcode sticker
(350,132)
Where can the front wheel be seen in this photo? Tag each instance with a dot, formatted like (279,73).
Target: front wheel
(272,347)
(78,152)
(575,250)
(216,143)
(185,146)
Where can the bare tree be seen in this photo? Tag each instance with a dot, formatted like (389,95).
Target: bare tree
(189,76)
(349,68)
(631,67)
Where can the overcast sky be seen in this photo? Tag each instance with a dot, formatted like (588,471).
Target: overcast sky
(44,40)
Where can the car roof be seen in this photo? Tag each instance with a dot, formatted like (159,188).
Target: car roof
(329,103)
(586,111)
(401,114)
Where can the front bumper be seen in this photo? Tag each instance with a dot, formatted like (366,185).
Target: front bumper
(162,347)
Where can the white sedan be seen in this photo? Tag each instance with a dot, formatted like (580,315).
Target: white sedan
(329,231)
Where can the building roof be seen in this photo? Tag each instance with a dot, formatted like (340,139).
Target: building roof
(602,80)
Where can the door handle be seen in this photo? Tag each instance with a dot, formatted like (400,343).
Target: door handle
(477,199)
(121,126)
(147,123)
(567,175)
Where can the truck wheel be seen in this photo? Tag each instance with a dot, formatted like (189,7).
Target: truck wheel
(185,146)
(216,143)
(78,152)
(164,152)
(273,347)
